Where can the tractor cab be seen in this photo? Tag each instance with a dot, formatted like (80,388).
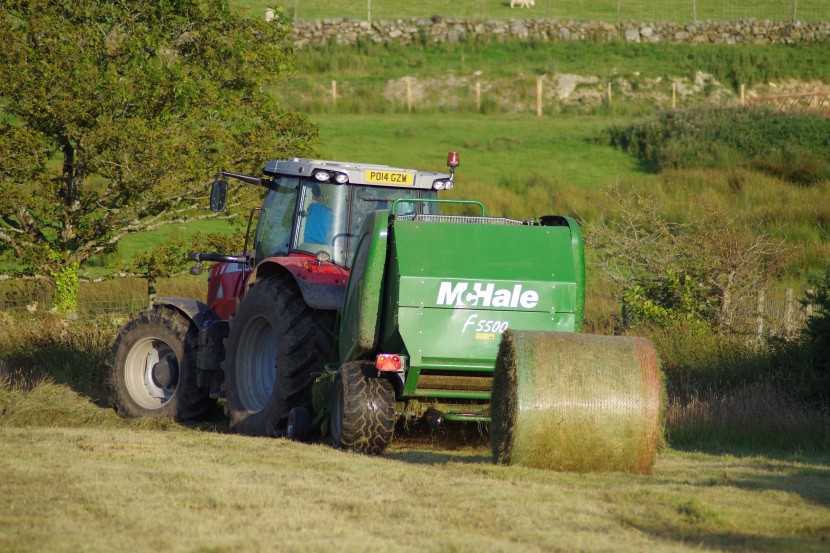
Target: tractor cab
(301,215)
(317,208)
(311,218)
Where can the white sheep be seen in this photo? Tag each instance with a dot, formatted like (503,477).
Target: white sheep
(522,3)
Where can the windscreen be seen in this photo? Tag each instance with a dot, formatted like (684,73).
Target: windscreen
(277,218)
(331,215)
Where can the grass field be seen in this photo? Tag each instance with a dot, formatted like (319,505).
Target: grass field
(86,480)
(683,11)
(495,149)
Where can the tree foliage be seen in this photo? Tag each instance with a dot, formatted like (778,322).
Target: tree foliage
(120,113)
(699,272)
(817,336)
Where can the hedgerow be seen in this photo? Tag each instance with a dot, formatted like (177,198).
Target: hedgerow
(791,146)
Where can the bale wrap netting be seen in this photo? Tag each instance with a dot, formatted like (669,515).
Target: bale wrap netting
(576,402)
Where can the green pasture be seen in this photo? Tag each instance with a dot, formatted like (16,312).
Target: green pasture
(505,150)
(493,78)
(681,11)
(140,242)
(523,166)
(733,64)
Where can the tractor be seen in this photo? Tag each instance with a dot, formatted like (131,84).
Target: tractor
(361,303)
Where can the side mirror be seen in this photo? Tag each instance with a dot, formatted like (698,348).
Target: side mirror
(218,195)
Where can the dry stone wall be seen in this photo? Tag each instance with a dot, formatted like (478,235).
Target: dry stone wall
(438,29)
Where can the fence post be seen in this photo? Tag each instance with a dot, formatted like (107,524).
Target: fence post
(478,96)
(409,94)
(609,93)
(759,333)
(334,93)
(673,95)
(743,94)
(539,94)
(808,307)
(151,291)
(789,322)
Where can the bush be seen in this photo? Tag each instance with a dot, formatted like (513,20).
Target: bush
(697,273)
(791,146)
(816,340)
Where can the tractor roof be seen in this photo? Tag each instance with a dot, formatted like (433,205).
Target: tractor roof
(363,174)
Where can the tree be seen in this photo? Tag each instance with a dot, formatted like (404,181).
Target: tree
(699,272)
(121,113)
(816,338)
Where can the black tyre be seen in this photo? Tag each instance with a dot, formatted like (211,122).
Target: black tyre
(299,424)
(276,341)
(362,409)
(153,368)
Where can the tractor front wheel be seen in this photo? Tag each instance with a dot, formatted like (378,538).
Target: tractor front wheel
(153,367)
(362,409)
(276,342)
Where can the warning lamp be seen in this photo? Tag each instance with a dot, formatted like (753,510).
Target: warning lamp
(388,362)
(453,160)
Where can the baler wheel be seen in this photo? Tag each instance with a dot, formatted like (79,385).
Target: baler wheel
(299,424)
(276,342)
(153,368)
(362,409)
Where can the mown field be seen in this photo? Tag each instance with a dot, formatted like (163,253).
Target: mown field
(75,477)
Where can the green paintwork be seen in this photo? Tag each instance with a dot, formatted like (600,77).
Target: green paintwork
(442,293)
(360,315)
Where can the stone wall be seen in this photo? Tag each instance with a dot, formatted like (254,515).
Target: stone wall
(437,29)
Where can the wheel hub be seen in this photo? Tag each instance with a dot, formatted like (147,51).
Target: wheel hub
(165,373)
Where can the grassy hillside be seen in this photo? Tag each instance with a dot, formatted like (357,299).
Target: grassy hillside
(505,150)
(523,166)
(600,10)
(576,75)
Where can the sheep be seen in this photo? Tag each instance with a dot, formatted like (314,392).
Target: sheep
(522,3)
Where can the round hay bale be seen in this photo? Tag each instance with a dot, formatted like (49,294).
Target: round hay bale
(576,402)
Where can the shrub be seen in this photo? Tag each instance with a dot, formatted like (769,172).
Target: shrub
(697,272)
(791,146)
(816,339)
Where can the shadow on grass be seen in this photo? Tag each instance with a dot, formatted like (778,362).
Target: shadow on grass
(423,444)
(420,457)
(734,541)
(807,475)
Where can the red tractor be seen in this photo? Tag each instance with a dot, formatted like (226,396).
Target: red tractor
(176,359)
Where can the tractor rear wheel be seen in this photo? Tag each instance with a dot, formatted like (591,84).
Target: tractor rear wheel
(276,342)
(153,367)
(362,409)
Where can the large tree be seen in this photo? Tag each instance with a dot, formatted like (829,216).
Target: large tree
(118,114)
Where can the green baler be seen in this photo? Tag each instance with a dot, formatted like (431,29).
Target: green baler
(441,293)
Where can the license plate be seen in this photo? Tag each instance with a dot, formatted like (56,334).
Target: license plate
(389,177)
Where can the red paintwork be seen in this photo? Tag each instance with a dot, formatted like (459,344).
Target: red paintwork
(225,286)
(226,280)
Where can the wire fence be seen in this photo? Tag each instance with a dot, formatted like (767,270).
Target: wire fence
(679,11)
(767,315)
